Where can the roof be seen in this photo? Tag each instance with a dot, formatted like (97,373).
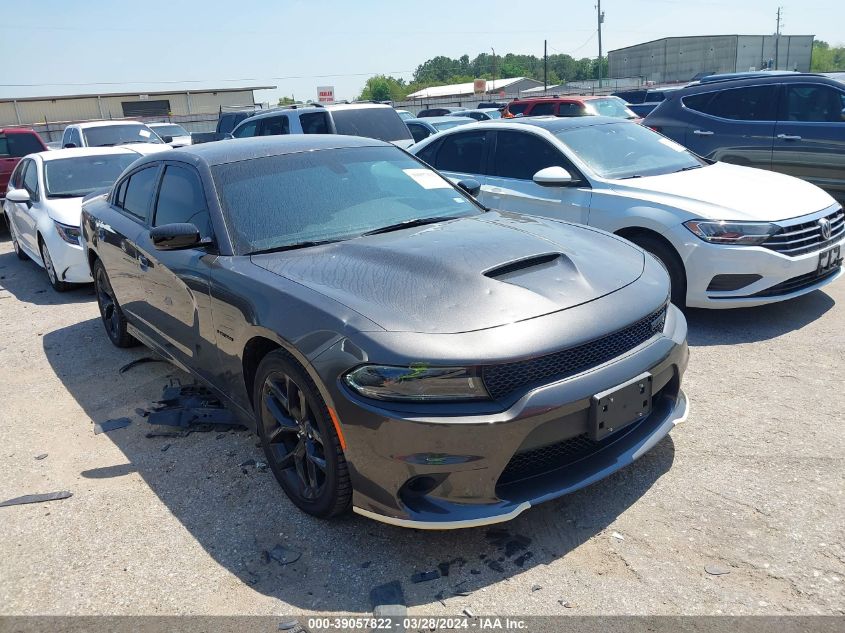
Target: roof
(90,124)
(233,150)
(694,37)
(78,152)
(94,95)
(463,89)
(441,119)
(562,98)
(554,123)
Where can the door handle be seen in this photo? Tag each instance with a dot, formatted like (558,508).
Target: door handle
(702,132)
(143,262)
(789,137)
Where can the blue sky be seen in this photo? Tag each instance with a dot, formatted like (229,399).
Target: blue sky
(298,45)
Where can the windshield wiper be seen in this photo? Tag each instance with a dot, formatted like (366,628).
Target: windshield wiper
(291,247)
(67,195)
(407,224)
(687,168)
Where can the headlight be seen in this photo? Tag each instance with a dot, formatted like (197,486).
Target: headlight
(417,382)
(738,233)
(69,234)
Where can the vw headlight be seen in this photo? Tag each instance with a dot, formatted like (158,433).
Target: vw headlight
(737,233)
(416,382)
(68,233)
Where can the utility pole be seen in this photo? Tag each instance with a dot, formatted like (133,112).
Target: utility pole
(494,64)
(777,37)
(600,22)
(545,66)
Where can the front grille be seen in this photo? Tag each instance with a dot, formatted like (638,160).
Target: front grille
(797,283)
(503,380)
(806,237)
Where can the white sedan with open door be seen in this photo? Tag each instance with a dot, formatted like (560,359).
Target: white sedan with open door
(44,205)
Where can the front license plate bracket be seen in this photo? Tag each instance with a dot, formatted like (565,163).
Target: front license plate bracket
(621,406)
(829,259)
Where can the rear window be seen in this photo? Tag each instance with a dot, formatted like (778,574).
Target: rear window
(18,145)
(381,123)
(517,108)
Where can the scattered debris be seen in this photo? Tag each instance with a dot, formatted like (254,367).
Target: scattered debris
(568,605)
(164,434)
(260,466)
(41,456)
(468,613)
(498,536)
(618,536)
(365,564)
(220,436)
(519,562)
(111,425)
(440,596)
(495,566)
(444,568)
(715,569)
(475,572)
(249,462)
(191,406)
(165,447)
(288,625)
(536,587)
(462,592)
(141,412)
(388,600)
(39,498)
(517,544)
(425,576)
(139,361)
(283,555)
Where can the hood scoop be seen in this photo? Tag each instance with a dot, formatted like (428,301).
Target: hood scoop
(518,267)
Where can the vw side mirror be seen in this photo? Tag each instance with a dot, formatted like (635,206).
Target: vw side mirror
(18,195)
(174,237)
(553,177)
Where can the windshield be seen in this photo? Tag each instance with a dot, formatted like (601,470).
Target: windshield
(445,125)
(337,194)
(381,123)
(626,150)
(493,114)
(170,130)
(108,135)
(610,106)
(79,176)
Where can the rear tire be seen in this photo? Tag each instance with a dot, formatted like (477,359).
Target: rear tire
(52,275)
(15,244)
(671,261)
(299,438)
(113,319)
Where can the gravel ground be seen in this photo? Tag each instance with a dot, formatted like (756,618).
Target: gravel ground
(751,484)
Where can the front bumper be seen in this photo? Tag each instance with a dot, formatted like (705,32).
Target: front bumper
(69,260)
(451,471)
(781,276)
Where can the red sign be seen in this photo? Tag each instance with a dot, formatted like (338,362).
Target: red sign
(325,94)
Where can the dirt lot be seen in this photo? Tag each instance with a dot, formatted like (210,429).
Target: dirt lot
(752,483)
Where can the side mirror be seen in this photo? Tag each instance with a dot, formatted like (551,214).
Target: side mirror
(18,195)
(174,237)
(69,145)
(167,139)
(553,177)
(471,186)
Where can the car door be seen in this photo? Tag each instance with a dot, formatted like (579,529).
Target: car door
(274,126)
(460,156)
(810,135)
(175,283)
(515,157)
(7,164)
(736,125)
(117,238)
(26,214)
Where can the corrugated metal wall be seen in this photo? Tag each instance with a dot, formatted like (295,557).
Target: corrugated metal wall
(88,108)
(677,59)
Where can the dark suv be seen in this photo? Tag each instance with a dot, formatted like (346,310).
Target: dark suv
(793,124)
(370,120)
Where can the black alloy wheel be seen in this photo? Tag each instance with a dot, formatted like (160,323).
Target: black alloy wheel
(113,319)
(298,438)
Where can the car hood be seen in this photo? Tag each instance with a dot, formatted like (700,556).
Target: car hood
(65,210)
(730,192)
(147,148)
(466,274)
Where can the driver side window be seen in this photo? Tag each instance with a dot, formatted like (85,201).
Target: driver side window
(181,199)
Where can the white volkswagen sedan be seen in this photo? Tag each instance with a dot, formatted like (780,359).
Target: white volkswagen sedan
(729,236)
(44,206)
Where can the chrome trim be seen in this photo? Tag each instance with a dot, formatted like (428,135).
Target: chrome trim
(444,525)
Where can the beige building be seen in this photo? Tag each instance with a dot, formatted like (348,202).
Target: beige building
(193,108)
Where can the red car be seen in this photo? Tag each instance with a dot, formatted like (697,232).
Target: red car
(15,143)
(569,106)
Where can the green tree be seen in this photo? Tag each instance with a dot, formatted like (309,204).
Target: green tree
(283,101)
(827,58)
(384,88)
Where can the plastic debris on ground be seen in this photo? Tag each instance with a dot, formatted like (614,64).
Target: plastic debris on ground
(39,498)
(111,425)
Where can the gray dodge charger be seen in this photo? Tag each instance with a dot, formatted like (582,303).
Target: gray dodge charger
(399,349)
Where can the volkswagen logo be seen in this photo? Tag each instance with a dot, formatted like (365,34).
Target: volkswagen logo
(824,226)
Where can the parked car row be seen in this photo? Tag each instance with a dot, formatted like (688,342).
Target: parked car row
(436,338)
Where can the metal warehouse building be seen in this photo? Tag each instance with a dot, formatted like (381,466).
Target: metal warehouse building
(682,58)
(194,108)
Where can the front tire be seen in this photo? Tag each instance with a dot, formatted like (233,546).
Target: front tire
(113,319)
(53,276)
(299,439)
(671,261)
